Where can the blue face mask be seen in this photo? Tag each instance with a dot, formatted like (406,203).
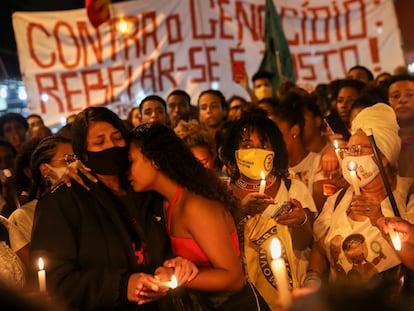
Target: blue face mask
(112,161)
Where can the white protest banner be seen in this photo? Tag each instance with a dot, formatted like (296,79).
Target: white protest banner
(153,47)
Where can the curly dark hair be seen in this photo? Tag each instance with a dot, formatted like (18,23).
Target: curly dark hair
(365,69)
(254,120)
(152,97)
(262,74)
(161,145)
(181,93)
(12,116)
(398,78)
(219,95)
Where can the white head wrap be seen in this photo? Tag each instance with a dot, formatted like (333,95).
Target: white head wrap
(380,120)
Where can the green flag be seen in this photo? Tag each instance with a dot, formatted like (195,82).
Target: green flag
(277,59)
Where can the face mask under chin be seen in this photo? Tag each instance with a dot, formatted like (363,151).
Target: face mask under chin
(55,174)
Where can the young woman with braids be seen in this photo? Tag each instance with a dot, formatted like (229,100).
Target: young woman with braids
(48,162)
(198,211)
(254,145)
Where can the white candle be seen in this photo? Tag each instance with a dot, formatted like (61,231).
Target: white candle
(395,238)
(279,272)
(171,284)
(41,275)
(262,183)
(337,152)
(354,178)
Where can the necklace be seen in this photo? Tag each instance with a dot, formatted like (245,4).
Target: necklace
(242,184)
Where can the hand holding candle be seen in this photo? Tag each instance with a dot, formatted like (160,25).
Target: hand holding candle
(395,238)
(171,284)
(41,274)
(337,152)
(262,183)
(279,272)
(354,178)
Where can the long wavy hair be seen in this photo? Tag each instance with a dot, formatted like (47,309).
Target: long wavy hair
(254,120)
(161,145)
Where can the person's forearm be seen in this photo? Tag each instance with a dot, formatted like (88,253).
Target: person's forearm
(252,95)
(302,235)
(318,261)
(217,280)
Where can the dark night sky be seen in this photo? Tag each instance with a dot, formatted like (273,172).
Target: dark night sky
(7,44)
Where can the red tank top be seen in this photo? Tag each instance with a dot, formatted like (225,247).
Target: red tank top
(187,247)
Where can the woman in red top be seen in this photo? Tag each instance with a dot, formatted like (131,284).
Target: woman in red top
(197,208)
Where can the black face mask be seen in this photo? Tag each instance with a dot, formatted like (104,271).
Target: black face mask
(112,161)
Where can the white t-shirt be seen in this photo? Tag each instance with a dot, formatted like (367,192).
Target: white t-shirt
(20,225)
(305,170)
(357,248)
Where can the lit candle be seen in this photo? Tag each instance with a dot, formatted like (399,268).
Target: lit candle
(395,238)
(41,275)
(262,183)
(279,272)
(337,152)
(354,178)
(171,284)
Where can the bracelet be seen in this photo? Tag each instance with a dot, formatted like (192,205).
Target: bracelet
(304,221)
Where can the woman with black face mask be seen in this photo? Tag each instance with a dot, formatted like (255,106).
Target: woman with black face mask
(104,249)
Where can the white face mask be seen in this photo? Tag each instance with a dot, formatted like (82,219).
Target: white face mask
(366,169)
(55,173)
(251,162)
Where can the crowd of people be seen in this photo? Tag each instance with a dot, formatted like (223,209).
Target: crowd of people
(177,206)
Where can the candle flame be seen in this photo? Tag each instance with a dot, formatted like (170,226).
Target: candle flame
(173,282)
(352,166)
(395,238)
(336,145)
(275,248)
(41,263)
(263,175)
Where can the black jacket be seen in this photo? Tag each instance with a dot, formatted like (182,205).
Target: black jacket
(87,247)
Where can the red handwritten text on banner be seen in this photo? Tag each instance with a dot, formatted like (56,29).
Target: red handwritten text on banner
(159,46)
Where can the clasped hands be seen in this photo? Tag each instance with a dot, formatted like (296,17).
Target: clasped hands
(144,288)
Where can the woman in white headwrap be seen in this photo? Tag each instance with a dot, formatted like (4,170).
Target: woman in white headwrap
(349,244)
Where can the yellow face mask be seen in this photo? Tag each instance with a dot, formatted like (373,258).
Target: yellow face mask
(263,92)
(252,162)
